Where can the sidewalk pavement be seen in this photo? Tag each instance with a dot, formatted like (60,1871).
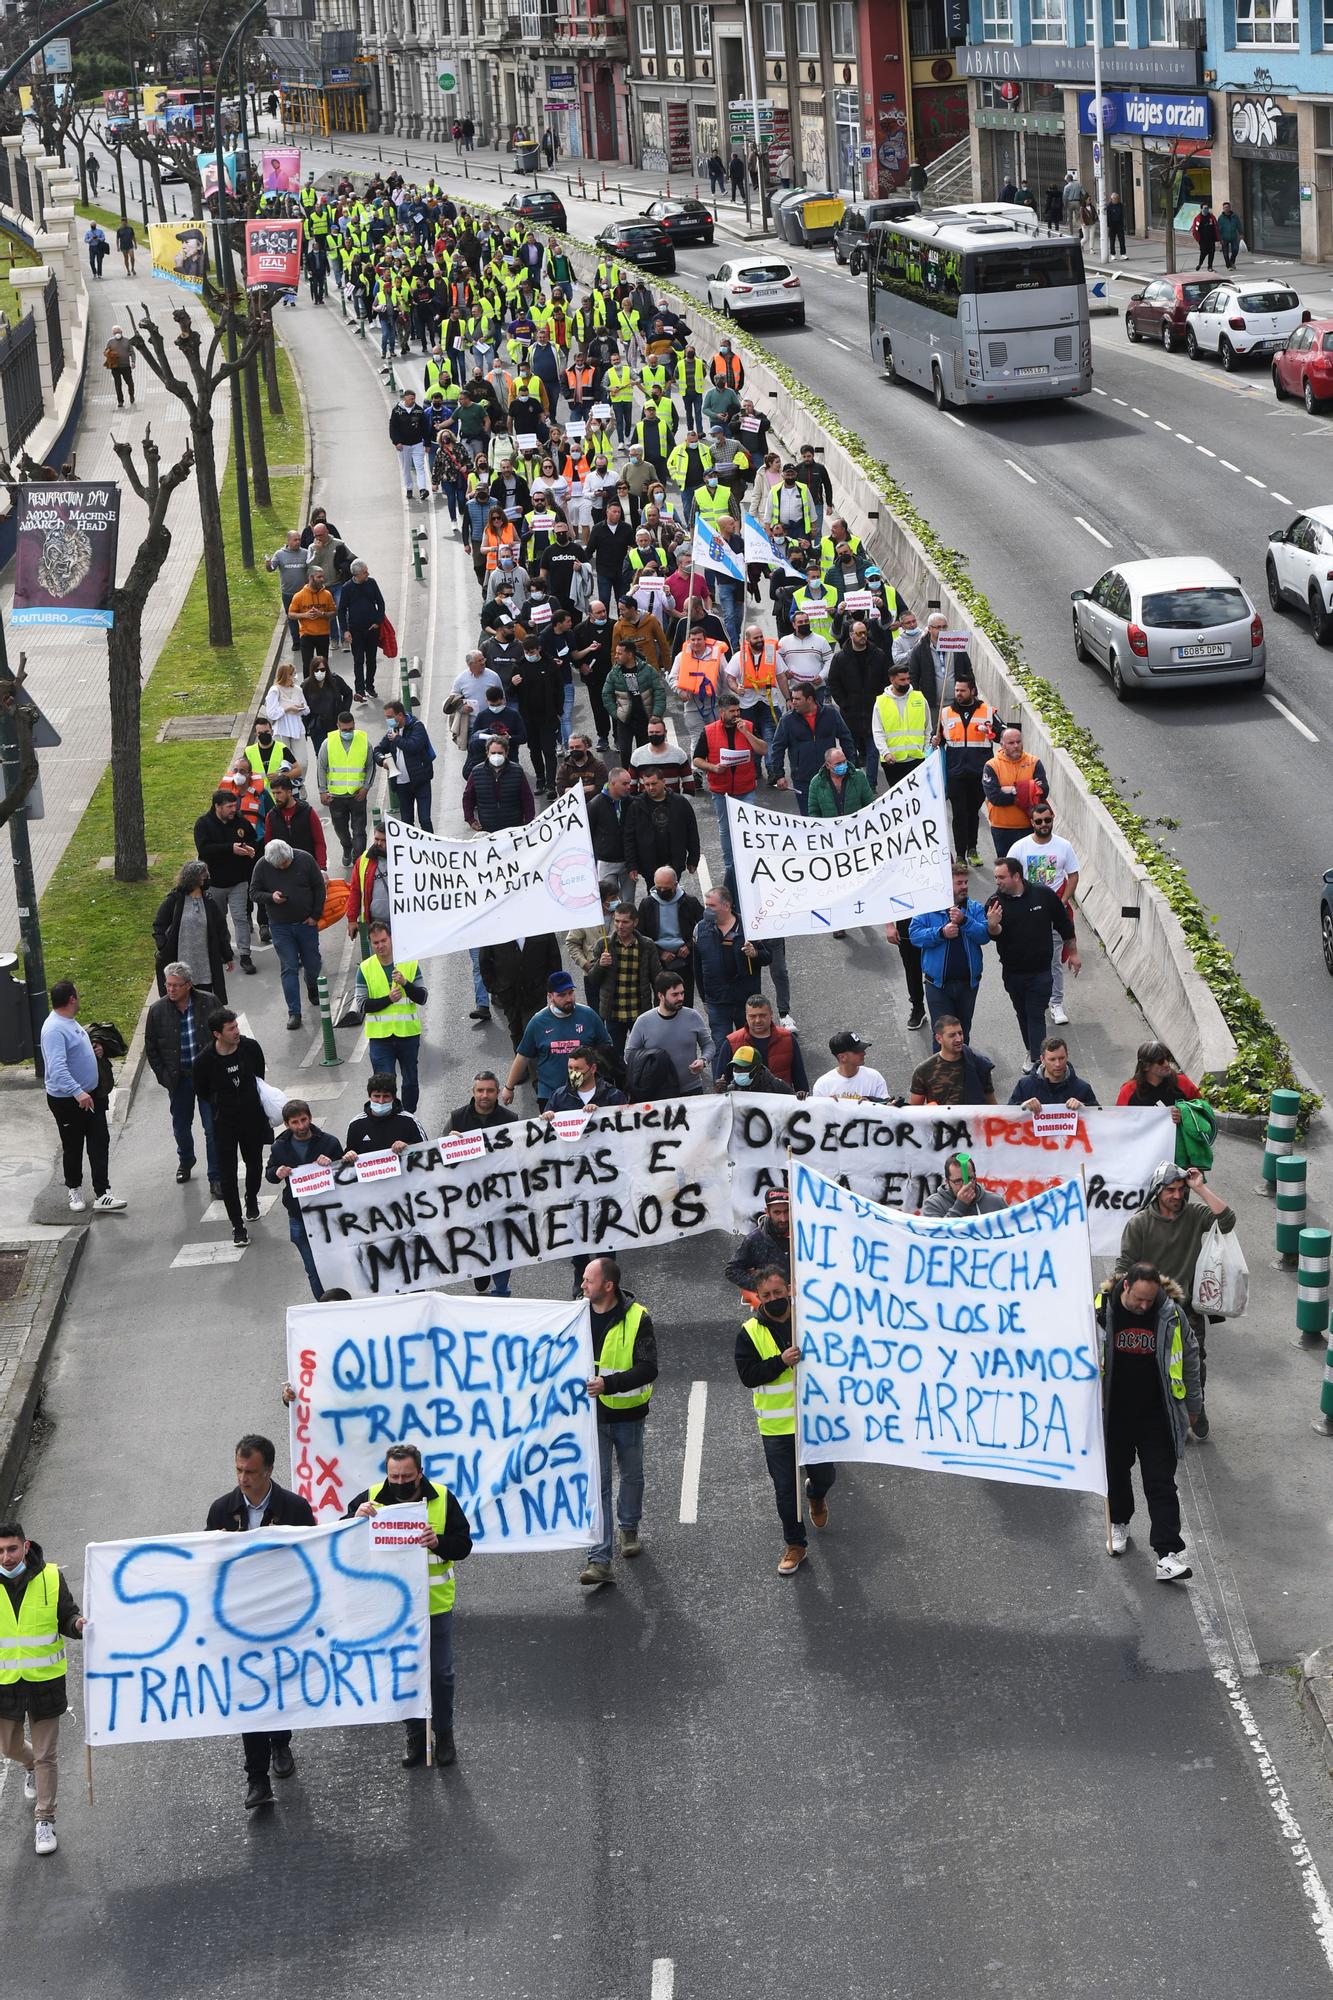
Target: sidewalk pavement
(1145,261)
(67,667)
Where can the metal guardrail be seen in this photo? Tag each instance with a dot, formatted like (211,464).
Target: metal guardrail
(20,382)
(24,185)
(54,335)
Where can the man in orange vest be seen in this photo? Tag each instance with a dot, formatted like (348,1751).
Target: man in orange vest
(727,369)
(697,677)
(720,753)
(1012,784)
(753,672)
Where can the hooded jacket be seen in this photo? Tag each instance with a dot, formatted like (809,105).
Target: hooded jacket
(39,1699)
(369,1134)
(1170,1318)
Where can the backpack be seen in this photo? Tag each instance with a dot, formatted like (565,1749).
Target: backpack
(652,1076)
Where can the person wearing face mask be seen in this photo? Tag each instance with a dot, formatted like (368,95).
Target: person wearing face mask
(790,506)
(37,1615)
(301,1143)
(482,1113)
(292,820)
(1168,1232)
(497,721)
(766,1360)
(578,766)
(744,1070)
(839,787)
(384,1125)
(586,1086)
(267,755)
(497,795)
(535,683)
(326,695)
(447,1540)
(550,1039)
(344,769)
(661,752)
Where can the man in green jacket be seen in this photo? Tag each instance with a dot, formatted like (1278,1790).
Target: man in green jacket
(841,787)
(1168,1232)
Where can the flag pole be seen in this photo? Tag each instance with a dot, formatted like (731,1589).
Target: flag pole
(796,1341)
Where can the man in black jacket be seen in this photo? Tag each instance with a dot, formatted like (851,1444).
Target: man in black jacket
(606,823)
(660,830)
(301,1143)
(624,1347)
(606,548)
(410,431)
(668,915)
(1024,918)
(384,1126)
(766,1355)
(536,685)
(225,1074)
(591,655)
(26,1575)
(290,888)
(515,976)
(175,1033)
(448,1540)
(361,612)
(222,842)
(858,674)
(482,1112)
(257,1501)
(497,795)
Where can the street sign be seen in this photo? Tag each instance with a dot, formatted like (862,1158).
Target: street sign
(446,79)
(340,76)
(866,152)
(58,62)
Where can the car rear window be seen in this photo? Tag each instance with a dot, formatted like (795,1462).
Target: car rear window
(764,274)
(1268,302)
(1210,604)
(1193,293)
(1326,343)
(641,229)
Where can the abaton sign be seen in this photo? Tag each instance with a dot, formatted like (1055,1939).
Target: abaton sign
(1150,114)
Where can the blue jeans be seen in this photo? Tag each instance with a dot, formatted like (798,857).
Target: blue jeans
(626,1441)
(693,400)
(1030,993)
(868,756)
(724,835)
(405,1050)
(566,716)
(497,1284)
(723,1016)
(414,802)
(480,997)
(441,1674)
(297,946)
(958,997)
(182,1101)
(731,605)
(297,1231)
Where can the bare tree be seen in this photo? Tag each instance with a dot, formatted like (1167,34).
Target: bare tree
(205,372)
(124,647)
(174,151)
(25,719)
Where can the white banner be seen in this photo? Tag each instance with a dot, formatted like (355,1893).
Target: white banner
(640,1174)
(964,1347)
(448,895)
(896,1157)
(490,1390)
(285,1628)
(884,864)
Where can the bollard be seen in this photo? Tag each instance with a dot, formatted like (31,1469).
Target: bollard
(330,1058)
(1312,1283)
(1290,1205)
(393,379)
(405,685)
(1280,1136)
(419,556)
(1323,1423)
(342,300)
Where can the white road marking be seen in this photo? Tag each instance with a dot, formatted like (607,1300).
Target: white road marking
(1229,466)
(1206,1538)
(1141,413)
(1183,439)
(1019,470)
(1252,481)
(1294,720)
(216,1212)
(955,420)
(1120,399)
(1098,392)
(1280,496)
(837,343)
(1088,529)
(664,1978)
(1204,449)
(1160,425)
(694,1452)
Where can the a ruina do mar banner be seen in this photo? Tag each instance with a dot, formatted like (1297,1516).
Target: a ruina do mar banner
(65,554)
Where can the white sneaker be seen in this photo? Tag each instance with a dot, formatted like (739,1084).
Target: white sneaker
(1119,1537)
(46,1842)
(109,1204)
(786,1021)
(1059,1016)
(29,1786)
(77,1203)
(1173,1569)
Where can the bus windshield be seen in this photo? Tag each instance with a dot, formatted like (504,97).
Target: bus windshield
(1040,268)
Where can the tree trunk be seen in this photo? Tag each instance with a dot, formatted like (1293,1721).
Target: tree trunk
(124,667)
(254,424)
(271,372)
(81,151)
(210,524)
(159,195)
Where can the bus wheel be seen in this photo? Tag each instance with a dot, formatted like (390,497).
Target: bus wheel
(937,387)
(890,366)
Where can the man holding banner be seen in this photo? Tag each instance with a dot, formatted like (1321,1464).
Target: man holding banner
(626,1348)
(766,1359)
(447,1539)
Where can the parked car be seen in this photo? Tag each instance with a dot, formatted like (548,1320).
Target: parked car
(685,221)
(852,234)
(750,286)
(1304,367)
(1158,311)
(641,240)
(1236,321)
(1326,919)
(539,205)
(1170,622)
(1299,568)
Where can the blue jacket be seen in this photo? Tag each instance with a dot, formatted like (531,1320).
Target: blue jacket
(805,746)
(416,746)
(726,977)
(926,932)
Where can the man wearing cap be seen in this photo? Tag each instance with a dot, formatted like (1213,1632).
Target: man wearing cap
(551,1037)
(1167,1233)
(767,1247)
(743,1069)
(851,1076)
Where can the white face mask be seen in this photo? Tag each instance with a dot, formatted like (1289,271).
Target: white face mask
(12,1573)
(496,758)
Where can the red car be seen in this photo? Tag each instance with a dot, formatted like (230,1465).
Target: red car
(1304,368)
(1158,311)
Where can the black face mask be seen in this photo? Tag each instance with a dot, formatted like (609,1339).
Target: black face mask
(396,1493)
(776,1311)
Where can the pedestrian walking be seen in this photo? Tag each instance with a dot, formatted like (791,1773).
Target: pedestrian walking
(175,1034)
(627,968)
(951,942)
(391,994)
(226,1073)
(1158,1079)
(447,1539)
(127,243)
(515,975)
(118,360)
(189,925)
(313,608)
(257,1501)
(326,695)
(851,1075)
(37,1615)
(551,1038)
(668,915)
(362,612)
(960,1194)
(292,567)
(410,432)
(625,1346)
(384,1125)
(291,819)
(736,171)
(407,752)
(1012,782)
(1228,234)
(1025,920)
(77,1093)
(917,178)
(956,1073)
(777,1048)
(726,963)
(1152,1397)
(301,1143)
(227,848)
(343,771)
(1168,1232)
(669,1050)
(767,1358)
(1048,858)
(95,238)
(1114,211)
(93,170)
(482,1113)
(717,173)
(289,887)
(608,815)
(766,1247)
(1204,231)
(967,734)
(808,728)
(1054,1080)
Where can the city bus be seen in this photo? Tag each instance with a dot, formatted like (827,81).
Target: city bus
(977,306)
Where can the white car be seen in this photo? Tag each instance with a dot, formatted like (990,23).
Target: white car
(1237,320)
(752,285)
(1299,568)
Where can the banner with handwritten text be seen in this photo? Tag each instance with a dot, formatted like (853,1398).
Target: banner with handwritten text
(520,881)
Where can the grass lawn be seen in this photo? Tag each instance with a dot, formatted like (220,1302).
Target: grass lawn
(110,221)
(13,252)
(98,931)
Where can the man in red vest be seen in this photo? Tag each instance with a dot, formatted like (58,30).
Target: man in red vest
(725,751)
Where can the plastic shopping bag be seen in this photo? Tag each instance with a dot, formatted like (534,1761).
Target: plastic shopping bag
(271,1099)
(1221,1276)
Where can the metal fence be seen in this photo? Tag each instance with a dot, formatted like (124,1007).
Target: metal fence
(20,382)
(6,183)
(25,185)
(51,300)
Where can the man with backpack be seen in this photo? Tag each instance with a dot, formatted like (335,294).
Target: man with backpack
(669,1049)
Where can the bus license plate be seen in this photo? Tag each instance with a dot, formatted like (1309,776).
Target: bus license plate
(1039,369)
(1201,652)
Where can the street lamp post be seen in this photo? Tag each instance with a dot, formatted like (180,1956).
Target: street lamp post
(227,273)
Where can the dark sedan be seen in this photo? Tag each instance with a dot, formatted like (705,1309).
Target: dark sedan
(685,221)
(539,205)
(1158,311)
(640,240)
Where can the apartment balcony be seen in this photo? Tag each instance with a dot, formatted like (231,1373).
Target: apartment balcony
(589,29)
(496,31)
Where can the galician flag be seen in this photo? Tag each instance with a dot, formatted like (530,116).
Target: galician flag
(760,547)
(711,552)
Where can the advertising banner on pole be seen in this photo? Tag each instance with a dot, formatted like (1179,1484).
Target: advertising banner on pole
(273,254)
(280,167)
(179,252)
(965,1347)
(490,1390)
(448,895)
(65,554)
(285,1628)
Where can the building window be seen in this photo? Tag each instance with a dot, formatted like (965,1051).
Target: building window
(1120,23)
(1048,20)
(807,30)
(842,30)
(675,31)
(702,18)
(1162,23)
(774,40)
(647,22)
(997,20)
(1267,23)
